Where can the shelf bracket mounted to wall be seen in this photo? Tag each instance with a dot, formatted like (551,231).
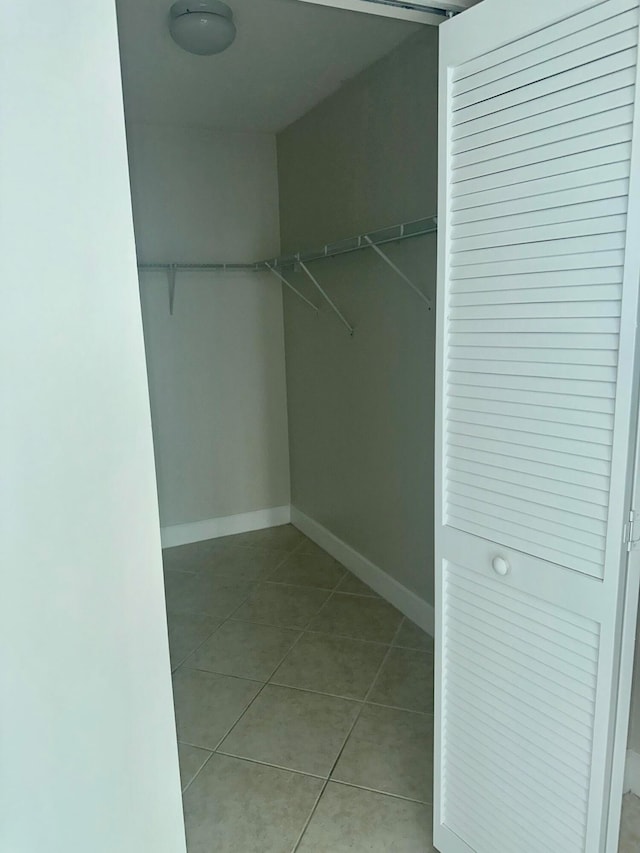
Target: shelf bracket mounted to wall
(277,266)
(325,295)
(397,270)
(290,286)
(171,274)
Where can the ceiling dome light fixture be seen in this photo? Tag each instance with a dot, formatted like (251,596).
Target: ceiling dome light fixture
(204,27)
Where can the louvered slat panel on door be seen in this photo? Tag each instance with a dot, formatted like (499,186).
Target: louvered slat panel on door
(546,758)
(501,323)
(537,408)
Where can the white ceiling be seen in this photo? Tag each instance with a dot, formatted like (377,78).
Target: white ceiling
(287,57)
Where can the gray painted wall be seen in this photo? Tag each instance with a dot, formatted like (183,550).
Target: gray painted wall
(361,409)
(216,367)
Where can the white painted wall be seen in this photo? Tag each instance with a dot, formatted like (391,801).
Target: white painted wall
(216,367)
(88,758)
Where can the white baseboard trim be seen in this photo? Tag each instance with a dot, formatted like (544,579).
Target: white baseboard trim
(407,602)
(632,773)
(213,528)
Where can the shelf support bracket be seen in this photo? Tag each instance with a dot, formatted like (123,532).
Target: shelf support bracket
(397,270)
(290,286)
(171,274)
(325,295)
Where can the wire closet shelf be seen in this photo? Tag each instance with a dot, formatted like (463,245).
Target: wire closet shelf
(278,266)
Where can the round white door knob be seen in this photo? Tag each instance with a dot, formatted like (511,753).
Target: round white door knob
(500,566)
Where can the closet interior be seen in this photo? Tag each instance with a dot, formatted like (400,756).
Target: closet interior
(285,201)
(285,215)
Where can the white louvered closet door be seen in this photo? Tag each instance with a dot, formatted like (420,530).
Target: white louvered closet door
(539,249)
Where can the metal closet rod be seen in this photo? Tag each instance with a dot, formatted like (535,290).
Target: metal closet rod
(363,241)
(299,260)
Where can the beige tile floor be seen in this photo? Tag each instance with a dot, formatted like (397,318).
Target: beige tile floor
(630,830)
(303,704)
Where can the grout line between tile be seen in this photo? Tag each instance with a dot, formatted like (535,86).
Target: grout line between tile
(346,636)
(197,648)
(237,720)
(230,617)
(263,623)
(271,624)
(382,793)
(206,761)
(382,663)
(306,585)
(222,675)
(305,540)
(326,779)
(344,743)
(398,708)
(414,649)
(223,621)
(308,630)
(311,814)
(232,727)
(272,683)
(250,703)
(359,594)
(364,701)
(302,630)
(248,677)
(294,550)
(166,570)
(271,764)
(357,699)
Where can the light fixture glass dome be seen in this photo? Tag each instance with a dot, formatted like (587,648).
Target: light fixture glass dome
(203,27)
